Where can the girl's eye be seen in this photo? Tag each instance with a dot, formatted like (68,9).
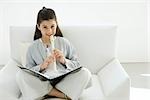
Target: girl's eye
(45,27)
(52,26)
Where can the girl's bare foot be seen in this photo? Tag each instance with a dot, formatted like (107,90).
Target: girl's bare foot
(59,94)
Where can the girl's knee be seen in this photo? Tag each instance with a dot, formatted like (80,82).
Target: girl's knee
(19,74)
(87,76)
(85,72)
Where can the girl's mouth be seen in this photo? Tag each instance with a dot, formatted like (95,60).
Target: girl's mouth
(49,35)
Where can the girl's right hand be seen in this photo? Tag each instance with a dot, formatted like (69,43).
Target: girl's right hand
(47,61)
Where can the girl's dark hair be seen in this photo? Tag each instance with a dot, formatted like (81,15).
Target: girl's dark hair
(46,14)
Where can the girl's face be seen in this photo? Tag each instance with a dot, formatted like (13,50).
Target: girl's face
(47,28)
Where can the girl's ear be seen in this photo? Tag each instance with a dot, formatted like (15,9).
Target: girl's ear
(38,26)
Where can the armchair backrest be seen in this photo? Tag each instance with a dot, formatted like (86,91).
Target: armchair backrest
(95,45)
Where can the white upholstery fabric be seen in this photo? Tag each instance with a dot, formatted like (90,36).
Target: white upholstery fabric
(19,35)
(96,47)
(95,92)
(23,51)
(4,95)
(113,78)
(95,44)
(8,79)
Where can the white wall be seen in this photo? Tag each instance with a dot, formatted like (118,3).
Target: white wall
(129,15)
(148,4)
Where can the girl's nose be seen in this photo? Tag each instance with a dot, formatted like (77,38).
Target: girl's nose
(49,31)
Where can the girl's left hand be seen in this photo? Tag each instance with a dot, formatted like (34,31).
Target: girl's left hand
(59,56)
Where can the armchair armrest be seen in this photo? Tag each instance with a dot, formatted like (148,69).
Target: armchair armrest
(114,80)
(8,83)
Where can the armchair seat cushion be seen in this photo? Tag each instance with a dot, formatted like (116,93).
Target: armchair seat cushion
(7,96)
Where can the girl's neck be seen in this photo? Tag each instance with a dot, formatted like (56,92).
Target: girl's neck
(45,41)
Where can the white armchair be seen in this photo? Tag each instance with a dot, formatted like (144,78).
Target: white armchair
(96,47)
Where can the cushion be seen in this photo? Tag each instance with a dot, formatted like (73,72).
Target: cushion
(23,51)
(19,34)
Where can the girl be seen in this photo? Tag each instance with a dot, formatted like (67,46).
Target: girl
(65,57)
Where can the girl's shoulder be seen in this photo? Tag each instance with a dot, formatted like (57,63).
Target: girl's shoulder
(62,39)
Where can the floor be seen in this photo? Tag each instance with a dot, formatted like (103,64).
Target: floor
(140,80)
